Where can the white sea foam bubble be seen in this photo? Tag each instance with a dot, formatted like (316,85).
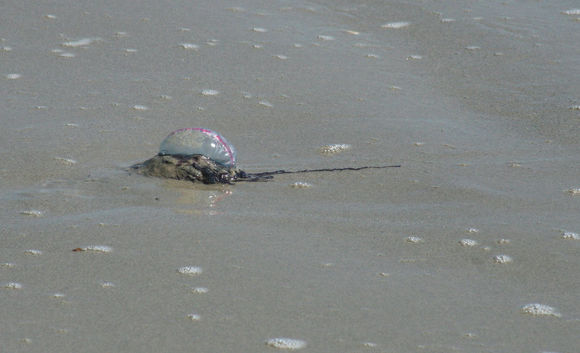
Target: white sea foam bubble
(80,43)
(265,103)
(334,148)
(286,343)
(537,309)
(414,239)
(502,259)
(95,248)
(66,54)
(189,46)
(193,317)
(570,235)
(65,161)
(468,242)
(12,285)
(209,92)
(300,185)
(396,25)
(571,12)
(33,213)
(190,270)
(200,290)
(325,37)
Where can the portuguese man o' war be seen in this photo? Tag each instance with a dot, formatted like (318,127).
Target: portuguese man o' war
(203,155)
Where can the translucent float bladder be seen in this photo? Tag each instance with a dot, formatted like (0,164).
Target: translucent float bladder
(192,141)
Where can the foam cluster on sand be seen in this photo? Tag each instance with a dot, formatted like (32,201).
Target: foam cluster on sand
(300,185)
(536,309)
(95,248)
(286,343)
(190,270)
(334,148)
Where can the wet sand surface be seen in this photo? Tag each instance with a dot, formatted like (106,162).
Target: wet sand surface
(479,103)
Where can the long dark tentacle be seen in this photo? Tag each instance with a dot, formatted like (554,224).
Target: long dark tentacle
(265,176)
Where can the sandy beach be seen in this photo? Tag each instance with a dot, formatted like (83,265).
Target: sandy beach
(471,245)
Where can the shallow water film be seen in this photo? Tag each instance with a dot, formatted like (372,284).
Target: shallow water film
(470,246)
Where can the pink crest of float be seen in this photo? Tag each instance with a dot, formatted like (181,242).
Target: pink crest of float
(206,142)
